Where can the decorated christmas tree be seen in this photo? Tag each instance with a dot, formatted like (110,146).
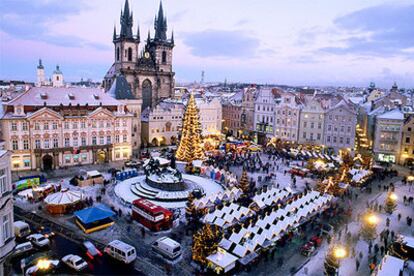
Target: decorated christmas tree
(331,265)
(332,259)
(205,243)
(369,226)
(390,203)
(190,209)
(190,147)
(244,183)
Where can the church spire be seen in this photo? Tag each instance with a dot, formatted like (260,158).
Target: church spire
(138,35)
(172,37)
(114,35)
(126,22)
(160,25)
(40,66)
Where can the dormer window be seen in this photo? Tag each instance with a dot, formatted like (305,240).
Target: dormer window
(96,96)
(43,96)
(71,96)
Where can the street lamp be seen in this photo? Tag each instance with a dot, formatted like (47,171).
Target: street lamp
(332,261)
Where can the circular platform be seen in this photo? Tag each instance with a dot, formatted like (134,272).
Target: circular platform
(136,187)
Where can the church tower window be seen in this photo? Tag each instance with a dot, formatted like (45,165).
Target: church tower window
(117,53)
(164,57)
(129,54)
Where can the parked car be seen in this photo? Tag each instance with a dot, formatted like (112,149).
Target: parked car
(75,262)
(167,247)
(21,229)
(38,240)
(91,250)
(121,251)
(22,248)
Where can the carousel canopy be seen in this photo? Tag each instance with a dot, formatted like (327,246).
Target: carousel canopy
(64,197)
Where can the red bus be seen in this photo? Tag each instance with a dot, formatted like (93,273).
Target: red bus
(151,216)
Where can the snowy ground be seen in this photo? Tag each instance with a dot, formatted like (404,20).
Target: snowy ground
(348,265)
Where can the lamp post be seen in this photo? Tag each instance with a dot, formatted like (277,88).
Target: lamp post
(332,261)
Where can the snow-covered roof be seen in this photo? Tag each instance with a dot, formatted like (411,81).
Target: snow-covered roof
(222,258)
(394,114)
(390,266)
(64,197)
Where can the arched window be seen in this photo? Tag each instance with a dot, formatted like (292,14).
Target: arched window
(129,54)
(57,77)
(117,53)
(164,57)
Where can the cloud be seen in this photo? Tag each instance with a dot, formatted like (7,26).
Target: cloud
(30,20)
(220,43)
(385,31)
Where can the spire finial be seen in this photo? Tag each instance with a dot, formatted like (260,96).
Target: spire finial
(172,37)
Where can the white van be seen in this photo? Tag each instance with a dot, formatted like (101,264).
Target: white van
(121,251)
(167,247)
(21,229)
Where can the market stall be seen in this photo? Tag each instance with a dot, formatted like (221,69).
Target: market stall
(94,218)
(63,202)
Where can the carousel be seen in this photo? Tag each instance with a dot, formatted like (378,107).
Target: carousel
(63,202)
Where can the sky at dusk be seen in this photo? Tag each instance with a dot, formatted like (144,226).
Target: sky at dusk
(298,42)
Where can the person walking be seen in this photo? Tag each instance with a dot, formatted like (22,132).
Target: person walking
(357,264)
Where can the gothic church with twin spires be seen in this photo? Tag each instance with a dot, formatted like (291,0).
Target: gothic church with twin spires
(141,76)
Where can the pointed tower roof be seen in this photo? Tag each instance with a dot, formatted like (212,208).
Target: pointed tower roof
(172,37)
(126,21)
(138,34)
(40,66)
(114,35)
(160,25)
(57,70)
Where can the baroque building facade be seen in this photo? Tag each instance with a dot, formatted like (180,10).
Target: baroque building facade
(287,115)
(148,71)
(7,242)
(47,128)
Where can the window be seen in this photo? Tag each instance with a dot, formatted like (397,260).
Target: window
(67,159)
(108,124)
(318,135)
(407,139)
(124,123)
(14,126)
(37,126)
(82,124)
(334,139)
(108,139)
(46,144)
(26,162)
(129,54)
(54,125)
(25,144)
(94,124)
(312,124)
(341,140)
(348,140)
(117,53)
(67,142)
(304,135)
(37,144)
(46,126)
(117,137)
(66,125)
(328,138)
(15,145)
(409,129)
(93,140)
(75,125)
(319,125)
(6,227)
(75,158)
(84,157)
(24,126)
(101,140)
(164,57)
(342,128)
(124,138)
(101,124)
(83,141)
(55,143)
(3,181)
(75,141)
(305,124)
(117,123)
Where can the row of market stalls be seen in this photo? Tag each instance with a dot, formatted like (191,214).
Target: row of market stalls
(212,200)
(245,245)
(306,154)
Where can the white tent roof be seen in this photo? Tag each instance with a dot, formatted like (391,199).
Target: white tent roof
(64,197)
